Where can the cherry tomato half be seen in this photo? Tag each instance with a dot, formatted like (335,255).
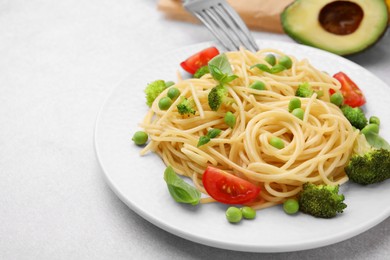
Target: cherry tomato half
(353,96)
(227,188)
(198,60)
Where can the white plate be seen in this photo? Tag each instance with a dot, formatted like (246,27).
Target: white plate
(138,181)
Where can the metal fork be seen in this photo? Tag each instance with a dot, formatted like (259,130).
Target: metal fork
(223,22)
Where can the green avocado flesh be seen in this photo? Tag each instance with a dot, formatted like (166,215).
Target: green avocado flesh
(341,27)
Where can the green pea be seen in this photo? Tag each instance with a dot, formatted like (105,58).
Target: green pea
(276,142)
(164,103)
(140,138)
(248,212)
(286,62)
(270,58)
(298,112)
(370,128)
(291,206)
(230,119)
(259,85)
(173,93)
(375,120)
(169,83)
(337,99)
(294,103)
(233,214)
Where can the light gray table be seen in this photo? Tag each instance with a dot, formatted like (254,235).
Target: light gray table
(59,60)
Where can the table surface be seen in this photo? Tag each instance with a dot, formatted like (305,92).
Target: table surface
(59,62)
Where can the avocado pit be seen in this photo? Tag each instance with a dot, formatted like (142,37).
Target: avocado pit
(341,17)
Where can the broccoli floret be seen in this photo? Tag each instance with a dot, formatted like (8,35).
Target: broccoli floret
(372,167)
(304,90)
(154,89)
(186,107)
(368,165)
(321,201)
(201,71)
(355,116)
(218,96)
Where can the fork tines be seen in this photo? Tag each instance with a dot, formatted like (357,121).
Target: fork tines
(223,22)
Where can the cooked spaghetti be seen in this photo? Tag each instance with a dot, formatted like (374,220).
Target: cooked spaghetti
(316,148)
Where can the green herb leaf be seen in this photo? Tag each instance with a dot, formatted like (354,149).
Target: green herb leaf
(277,68)
(222,63)
(217,74)
(180,190)
(212,133)
(228,79)
(220,69)
(377,141)
(203,140)
(273,70)
(262,67)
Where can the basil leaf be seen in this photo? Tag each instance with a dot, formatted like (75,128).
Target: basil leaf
(221,70)
(277,68)
(222,63)
(180,190)
(212,133)
(273,70)
(203,140)
(228,79)
(216,73)
(262,67)
(377,141)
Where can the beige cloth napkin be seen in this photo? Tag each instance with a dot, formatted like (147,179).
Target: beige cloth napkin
(261,15)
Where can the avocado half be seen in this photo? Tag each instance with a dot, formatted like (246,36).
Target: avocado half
(341,27)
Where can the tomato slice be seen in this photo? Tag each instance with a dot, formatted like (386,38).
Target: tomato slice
(353,96)
(227,188)
(198,60)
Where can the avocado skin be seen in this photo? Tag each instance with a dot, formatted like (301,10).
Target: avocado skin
(359,47)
